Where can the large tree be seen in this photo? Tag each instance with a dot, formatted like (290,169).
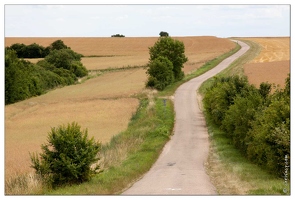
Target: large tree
(173,50)
(160,73)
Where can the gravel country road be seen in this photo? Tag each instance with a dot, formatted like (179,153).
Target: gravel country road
(180,169)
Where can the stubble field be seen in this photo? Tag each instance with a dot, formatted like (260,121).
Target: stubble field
(272,64)
(104,104)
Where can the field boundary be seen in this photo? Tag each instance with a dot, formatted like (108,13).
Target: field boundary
(114,69)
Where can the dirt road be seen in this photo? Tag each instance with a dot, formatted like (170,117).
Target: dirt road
(180,168)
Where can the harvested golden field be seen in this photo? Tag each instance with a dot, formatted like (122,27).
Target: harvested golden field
(119,52)
(103,104)
(272,64)
(273,49)
(272,72)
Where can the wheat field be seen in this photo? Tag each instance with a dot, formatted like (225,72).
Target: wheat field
(272,64)
(120,52)
(103,104)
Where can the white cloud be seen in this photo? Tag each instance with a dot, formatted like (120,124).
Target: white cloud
(145,20)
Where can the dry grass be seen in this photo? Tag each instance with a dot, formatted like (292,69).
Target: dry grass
(273,62)
(230,183)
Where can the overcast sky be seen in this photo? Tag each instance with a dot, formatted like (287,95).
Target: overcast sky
(146,20)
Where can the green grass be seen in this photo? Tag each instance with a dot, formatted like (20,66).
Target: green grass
(236,68)
(251,177)
(169,90)
(247,175)
(143,141)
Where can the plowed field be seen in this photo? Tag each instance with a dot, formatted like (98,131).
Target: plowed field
(272,64)
(103,104)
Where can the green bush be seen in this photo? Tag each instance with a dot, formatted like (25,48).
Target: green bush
(35,50)
(29,51)
(257,122)
(160,73)
(271,133)
(15,89)
(173,50)
(240,116)
(164,34)
(78,69)
(24,79)
(221,95)
(67,59)
(67,157)
(57,45)
(118,35)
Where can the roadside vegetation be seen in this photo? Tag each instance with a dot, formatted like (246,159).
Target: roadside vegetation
(249,130)
(67,158)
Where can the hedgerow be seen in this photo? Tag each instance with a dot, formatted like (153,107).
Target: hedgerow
(257,121)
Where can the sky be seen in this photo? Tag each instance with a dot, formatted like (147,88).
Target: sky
(148,20)
(142,18)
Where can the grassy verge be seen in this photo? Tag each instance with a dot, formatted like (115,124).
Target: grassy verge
(236,68)
(132,152)
(230,172)
(206,67)
(233,174)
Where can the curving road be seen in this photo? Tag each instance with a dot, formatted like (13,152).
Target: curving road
(180,168)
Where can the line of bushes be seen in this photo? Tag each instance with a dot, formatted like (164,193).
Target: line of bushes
(35,50)
(256,120)
(24,79)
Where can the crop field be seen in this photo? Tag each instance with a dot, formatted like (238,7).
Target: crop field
(272,64)
(103,104)
(104,53)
